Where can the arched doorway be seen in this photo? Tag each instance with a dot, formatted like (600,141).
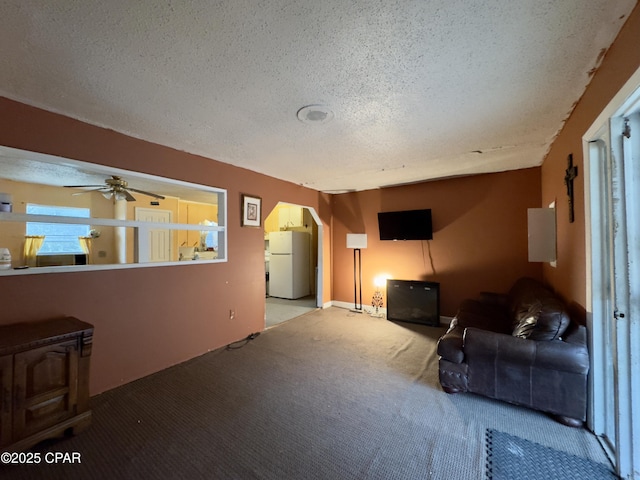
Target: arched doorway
(293,259)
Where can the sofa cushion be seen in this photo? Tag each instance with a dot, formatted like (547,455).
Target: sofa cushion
(526,321)
(544,320)
(525,293)
(536,312)
(474,313)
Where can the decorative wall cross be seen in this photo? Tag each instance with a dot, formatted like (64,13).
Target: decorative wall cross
(569,175)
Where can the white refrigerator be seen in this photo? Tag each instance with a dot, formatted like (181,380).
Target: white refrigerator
(289,264)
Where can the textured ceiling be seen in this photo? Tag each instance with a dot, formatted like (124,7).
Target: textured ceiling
(419,89)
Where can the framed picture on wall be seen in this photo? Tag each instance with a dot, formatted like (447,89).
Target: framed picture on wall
(251,211)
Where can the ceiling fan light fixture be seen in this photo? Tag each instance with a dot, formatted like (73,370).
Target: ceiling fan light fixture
(116,188)
(315,114)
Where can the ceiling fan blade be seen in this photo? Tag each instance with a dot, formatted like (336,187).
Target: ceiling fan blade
(155,195)
(84,186)
(92,190)
(128,196)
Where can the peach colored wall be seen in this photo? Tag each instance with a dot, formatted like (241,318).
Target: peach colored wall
(479,239)
(619,63)
(147,319)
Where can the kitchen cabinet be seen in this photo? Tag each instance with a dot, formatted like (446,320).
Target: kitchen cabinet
(193,213)
(44,376)
(289,217)
(6,380)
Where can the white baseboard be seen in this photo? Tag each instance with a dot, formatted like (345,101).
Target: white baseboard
(382,312)
(336,303)
(351,306)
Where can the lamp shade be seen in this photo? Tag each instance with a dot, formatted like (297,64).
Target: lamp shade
(356,240)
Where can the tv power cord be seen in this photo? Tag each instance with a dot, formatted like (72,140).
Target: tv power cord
(241,343)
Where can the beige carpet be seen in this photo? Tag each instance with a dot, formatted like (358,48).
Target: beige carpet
(331,395)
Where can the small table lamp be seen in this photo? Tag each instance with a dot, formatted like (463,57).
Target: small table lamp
(377,300)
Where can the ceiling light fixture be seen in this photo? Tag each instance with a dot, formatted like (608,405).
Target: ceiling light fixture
(315,114)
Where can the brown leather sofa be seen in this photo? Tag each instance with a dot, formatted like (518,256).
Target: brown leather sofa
(521,348)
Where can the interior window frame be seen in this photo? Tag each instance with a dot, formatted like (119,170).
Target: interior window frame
(139,228)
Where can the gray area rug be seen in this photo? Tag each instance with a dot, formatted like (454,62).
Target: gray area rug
(510,457)
(329,395)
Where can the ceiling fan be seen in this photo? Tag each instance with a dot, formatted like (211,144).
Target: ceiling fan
(114,187)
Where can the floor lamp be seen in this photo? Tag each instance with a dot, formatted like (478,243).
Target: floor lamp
(357,241)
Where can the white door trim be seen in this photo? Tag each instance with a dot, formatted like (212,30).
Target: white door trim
(599,307)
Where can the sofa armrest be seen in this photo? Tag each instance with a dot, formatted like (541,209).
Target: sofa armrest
(482,347)
(576,334)
(450,344)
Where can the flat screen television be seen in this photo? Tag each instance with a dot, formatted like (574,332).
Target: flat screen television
(405,225)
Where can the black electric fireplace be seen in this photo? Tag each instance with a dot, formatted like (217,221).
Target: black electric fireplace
(413,301)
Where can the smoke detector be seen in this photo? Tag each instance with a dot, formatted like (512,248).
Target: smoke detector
(315,114)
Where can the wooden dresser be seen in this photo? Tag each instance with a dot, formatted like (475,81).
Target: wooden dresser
(44,380)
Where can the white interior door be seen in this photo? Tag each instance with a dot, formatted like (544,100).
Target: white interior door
(158,247)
